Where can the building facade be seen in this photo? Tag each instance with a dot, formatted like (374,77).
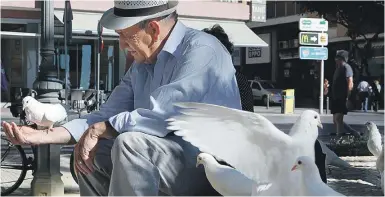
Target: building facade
(280,62)
(20,38)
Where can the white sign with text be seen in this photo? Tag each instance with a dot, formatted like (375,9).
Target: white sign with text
(259,55)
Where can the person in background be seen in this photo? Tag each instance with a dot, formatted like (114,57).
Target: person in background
(363,92)
(4,84)
(341,89)
(375,96)
(245,90)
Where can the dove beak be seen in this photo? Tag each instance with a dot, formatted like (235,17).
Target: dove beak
(320,125)
(198,163)
(294,167)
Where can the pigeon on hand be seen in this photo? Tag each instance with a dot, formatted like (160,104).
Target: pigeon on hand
(374,139)
(43,114)
(224,179)
(312,184)
(248,141)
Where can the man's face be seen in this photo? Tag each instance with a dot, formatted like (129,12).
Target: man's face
(338,61)
(140,41)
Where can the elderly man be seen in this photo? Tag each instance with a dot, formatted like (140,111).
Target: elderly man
(125,148)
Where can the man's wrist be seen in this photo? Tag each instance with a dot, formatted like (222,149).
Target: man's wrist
(103,130)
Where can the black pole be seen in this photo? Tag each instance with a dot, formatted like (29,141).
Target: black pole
(47,177)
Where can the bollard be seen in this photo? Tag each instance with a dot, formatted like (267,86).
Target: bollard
(268,101)
(327,105)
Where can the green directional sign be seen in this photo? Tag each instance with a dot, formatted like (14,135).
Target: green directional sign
(313,38)
(308,38)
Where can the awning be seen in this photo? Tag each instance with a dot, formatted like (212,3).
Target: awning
(238,32)
(85,22)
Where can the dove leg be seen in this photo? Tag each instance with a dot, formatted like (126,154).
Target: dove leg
(148,164)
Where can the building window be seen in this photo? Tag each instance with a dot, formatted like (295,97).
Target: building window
(290,8)
(82,62)
(270,9)
(280,9)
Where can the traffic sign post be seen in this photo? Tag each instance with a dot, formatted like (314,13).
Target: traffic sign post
(313,38)
(313,24)
(314,35)
(313,53)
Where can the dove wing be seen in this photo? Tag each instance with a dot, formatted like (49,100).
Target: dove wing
(54,112)
(247,141)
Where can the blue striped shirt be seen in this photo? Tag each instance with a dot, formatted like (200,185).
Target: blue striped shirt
(192,67)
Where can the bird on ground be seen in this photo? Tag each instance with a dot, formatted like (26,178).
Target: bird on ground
(43,114)
(332,158)
(231,182)
(311,181)
(374,142)
(249,142)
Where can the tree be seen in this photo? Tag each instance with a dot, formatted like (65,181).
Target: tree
(359,17)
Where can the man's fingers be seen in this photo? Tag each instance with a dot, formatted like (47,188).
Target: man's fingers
(90,161)
(16,132)
(9,133)
(80,165)
(86,159)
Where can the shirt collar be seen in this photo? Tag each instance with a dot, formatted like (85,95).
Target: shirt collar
(175,38)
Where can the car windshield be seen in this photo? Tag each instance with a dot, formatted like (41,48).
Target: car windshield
(266,85)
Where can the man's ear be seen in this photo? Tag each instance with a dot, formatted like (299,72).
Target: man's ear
(153,28)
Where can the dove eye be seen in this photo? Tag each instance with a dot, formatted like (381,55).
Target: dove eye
(315,117)
(299,162)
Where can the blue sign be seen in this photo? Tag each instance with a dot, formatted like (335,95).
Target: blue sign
(313,53)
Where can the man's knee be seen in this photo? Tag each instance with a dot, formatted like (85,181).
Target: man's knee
(129,142)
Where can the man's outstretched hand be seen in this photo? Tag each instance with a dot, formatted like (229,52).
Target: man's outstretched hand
(22,135)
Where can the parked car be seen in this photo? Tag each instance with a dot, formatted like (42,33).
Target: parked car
(262,88)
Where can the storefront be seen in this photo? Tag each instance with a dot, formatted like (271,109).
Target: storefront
(24,45)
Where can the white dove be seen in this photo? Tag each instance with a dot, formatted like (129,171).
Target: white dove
(311,181)
(374,139)
(332,158)
(232,182)
(43,114)
(248,141)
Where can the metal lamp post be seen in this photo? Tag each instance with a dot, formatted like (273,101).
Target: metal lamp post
(47,177)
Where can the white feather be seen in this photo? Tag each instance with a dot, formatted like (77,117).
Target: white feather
(224,179)
(332,158)
(43,114)
(374,139)
(312,183)
(248,141)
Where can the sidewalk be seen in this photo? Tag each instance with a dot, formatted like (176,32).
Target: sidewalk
(362,179)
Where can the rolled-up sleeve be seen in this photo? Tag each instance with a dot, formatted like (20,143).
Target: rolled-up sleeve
(195,74)
(121,99)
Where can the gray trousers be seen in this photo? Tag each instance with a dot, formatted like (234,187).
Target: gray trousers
(137,164)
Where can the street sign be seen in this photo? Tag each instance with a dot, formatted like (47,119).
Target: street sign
(258,11)
(313,38)
(313,24)
(313,53)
